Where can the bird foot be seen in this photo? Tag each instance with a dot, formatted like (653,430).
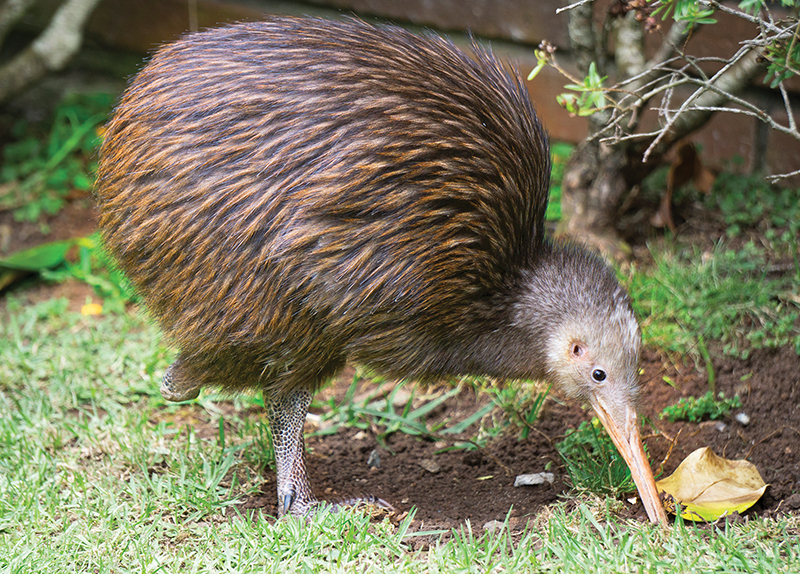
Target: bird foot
(173,389)
(286,414)
(308,507)
(295,505)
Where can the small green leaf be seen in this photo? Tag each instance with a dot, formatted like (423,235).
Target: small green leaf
(537,69)
(35,259)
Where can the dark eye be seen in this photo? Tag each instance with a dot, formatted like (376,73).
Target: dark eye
(599,375)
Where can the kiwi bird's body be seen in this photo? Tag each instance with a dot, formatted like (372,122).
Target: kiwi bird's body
(322,194)
(293,194)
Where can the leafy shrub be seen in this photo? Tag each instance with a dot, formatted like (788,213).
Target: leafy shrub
(96,268)
(45,163)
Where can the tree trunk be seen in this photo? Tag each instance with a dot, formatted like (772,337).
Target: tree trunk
(599,176)
(597,179)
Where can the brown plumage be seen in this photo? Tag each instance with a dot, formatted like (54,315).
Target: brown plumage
(292,194)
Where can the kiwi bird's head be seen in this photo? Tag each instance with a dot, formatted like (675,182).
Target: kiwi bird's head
(590,344)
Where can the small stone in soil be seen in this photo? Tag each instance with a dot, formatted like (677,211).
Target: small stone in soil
(430,465)
(534,479)
(742,419)
(493,525)
(374,460)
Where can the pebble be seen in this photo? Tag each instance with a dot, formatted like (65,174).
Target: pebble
(742,419)
(374,460)
(430,465)
(493,525)
(534,479)
(720,426)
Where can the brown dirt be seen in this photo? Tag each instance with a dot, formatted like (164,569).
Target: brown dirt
(77,219)
(478,485)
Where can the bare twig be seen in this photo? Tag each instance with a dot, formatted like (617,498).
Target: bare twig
(571,6)
(781,176)
(769,26)
(672,67)
(715,92)
(788,106)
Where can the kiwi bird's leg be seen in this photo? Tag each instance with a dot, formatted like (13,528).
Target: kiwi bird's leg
(287,413)
(177,386)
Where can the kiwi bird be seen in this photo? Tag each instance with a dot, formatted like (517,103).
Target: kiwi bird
(292,194)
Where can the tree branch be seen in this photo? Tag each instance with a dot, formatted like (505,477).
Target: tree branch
(10,13)
(714,93)
(582,35)
(50,51)
(629,54)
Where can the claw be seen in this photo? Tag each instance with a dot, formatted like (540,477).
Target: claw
(287,502)
(365,500)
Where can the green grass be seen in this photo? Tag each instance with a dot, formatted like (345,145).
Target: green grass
(743,293)
(701,408)
(726,295)
(560,152)
(520,402)
(95,267)
(593,462)
(393,407)
(747,202)
(379,412)
(98,474)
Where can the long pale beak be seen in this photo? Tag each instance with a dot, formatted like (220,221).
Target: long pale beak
(625,434)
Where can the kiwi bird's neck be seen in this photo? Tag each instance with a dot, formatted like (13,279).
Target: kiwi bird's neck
(510,334)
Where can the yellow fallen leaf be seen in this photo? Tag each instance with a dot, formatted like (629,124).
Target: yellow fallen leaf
(91,309)
(708,486)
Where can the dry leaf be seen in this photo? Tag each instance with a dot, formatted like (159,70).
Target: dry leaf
(685,168)
(708,487)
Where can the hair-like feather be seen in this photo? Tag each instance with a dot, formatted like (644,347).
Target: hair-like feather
(292,192)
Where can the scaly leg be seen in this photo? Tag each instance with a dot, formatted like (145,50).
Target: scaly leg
(286,414)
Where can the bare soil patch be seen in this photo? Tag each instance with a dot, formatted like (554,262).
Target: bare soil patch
(479,485)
